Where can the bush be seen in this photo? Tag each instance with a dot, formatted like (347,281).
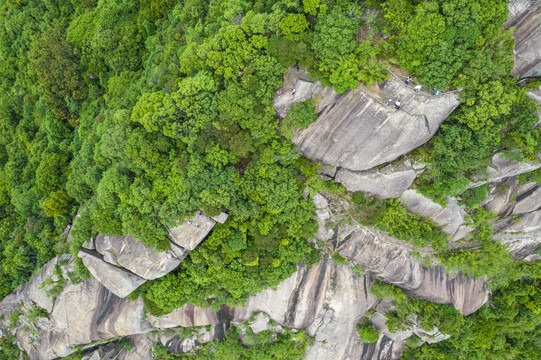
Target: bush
(367,333)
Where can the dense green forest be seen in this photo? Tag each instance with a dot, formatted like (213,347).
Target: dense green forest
(135,114)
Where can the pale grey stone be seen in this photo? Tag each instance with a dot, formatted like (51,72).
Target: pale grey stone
(187,235)
(503,167)
(383,184)
(528,200)
(323,215)
(451,219)
(526,19)
(378,320)
(359,132)
(260,323)
(89,244)
(529,222)
(319,201)
(140,259)
(220,218)
(119,281)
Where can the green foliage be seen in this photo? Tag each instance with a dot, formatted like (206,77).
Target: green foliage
(265,345)
(472,197)
(367,333)
(337,258)
(14,318)
(391,216)
(293,26)
(507,327)
(300,116)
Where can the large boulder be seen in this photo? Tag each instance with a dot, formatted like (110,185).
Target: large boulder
(502,167)
(389,260)
(140,259)
(451,218)
(189,234)
(358,132)
(384,184)
(119,281)
(525,17)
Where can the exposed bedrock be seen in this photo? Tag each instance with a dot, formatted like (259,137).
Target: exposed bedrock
(502,167)
(525,17)
(451,219)
(385,183)
(123,263)
(357,131)
(392,263)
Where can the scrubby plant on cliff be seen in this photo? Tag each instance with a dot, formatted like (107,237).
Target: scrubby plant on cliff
(264,345)
(367,333)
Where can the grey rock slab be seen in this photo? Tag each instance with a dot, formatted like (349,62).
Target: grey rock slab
(451,219)
(220,218)
(141,350)
(358,131)
(529,222)
(260,323)
(522,246)
(527,24)
(378,320)
(385,258)
(528,200)
(137,257)
(119,281)
(319,201)
(372,182)
(187,235)
(503,167)
(501,195)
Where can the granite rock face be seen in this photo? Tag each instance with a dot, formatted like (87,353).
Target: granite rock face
(379,183)
(451,218)
(381,257)
(140,259)
(119,281)
(189,234)
(502,168)
(525,17)
(358,132)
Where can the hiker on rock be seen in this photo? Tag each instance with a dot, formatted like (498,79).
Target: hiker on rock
(388,102)
(417,87)
(408,80)
(397,105)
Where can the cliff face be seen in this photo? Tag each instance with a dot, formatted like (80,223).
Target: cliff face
(525,17)
(356,131)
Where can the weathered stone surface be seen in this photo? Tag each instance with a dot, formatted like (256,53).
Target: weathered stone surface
(383,349)
(528,199)
(188,235)
(34,289)
(137,257)
(378,320)
(319,201)
(390,261)
(500,195)
(525,17)
(372,182)
(451,218)
(142,347)
(502,168)
(526,223)
(325,300)
(522,246)
(220,218)
(119,281)
(358,132)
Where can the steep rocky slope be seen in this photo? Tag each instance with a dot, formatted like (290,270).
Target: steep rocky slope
(525,17)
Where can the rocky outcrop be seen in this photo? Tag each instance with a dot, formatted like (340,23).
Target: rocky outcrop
(358,132)
(525,247)
(525,17)
(450,218)
(502,167)
(123,263)
(386,260)
(386,183)
(140,259)
(119,281)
